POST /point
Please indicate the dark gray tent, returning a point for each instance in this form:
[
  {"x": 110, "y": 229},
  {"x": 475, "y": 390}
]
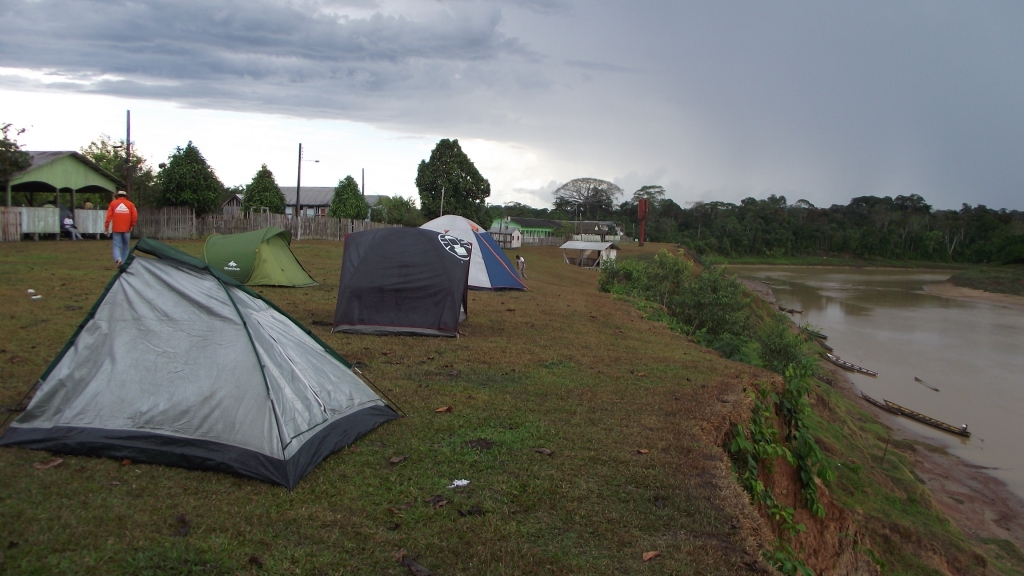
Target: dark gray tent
[
  {"x": 403, "y": 281},
  {"x": 181, "y": 365}
]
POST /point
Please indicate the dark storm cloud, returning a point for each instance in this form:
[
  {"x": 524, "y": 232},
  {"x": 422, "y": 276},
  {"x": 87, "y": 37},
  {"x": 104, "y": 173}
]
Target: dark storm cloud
[{"x": 823, "y": 101}]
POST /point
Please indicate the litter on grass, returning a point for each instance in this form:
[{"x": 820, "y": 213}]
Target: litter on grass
[
  {"x": 36, "y": 297},
  {"x": 459, "y": 484},
  {"x": 31, "y": 291}
]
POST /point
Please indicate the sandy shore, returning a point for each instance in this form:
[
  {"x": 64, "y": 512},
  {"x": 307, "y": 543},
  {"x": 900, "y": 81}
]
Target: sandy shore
[
  {"x": 980, "y": 505},
  {"x": 948, "y": 290}
]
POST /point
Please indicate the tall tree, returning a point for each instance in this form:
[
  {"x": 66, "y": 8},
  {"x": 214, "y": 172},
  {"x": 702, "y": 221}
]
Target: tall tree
[
  {"x": 652, "y": 193},
  {"x": 187, "y": 180},
  {"x": 451, "y": 175},
  {"x": 348, "y": 202},
  {"x": 12, "y": 157},
  {"x": 110, "y": 155},
  {"x": 396, "y": 210},
  {"x": 592, "y": 196},
  {"x": 263, "y": 192}
]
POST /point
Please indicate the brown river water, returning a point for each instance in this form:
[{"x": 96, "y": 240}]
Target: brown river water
[{"x": 972, "y": 352}]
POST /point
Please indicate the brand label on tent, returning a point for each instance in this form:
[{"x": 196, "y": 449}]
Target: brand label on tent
[
  {"x": 454, "y": 245},
  {"x": 232, "y": 266}
]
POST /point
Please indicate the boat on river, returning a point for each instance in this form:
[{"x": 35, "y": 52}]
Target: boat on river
[
  {"x": 896, "y": 408},
  {"x": 815, "y": 334},
  {"x": 823, "y": 345},
  {"x": 925, "y": 384},
  {"x": 878, "y": 403},
  {"x": 850, "y": 365}
]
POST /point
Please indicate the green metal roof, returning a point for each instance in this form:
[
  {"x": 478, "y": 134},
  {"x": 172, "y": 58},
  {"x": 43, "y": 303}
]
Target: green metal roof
[{"x": 66, "y": 170}]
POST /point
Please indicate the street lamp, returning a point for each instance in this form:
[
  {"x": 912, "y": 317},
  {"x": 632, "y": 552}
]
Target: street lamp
[{"x": 298, "y": 183}]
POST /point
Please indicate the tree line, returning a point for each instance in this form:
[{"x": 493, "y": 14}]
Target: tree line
[{"x": 904, "y": 227}]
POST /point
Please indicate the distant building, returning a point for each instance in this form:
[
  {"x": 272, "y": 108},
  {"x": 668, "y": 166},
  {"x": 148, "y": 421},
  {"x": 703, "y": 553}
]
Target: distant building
[
  {"x": 583, "y": 230},
  {"x": 63, "y": 172},
  {"x": 315, "y": 199},
  {"x": 232, "y": 206}
]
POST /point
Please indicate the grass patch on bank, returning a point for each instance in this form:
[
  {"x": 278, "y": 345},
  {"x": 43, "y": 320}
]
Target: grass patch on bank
[
  {"x": 907, "y": 532},
  {"x": 1008, "y": 279},
  {"x": 561, "y": 367},
  {"x": 849, "y": 262}
]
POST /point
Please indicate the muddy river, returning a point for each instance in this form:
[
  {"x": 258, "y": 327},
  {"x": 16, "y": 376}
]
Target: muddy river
[{"x": 972, "y": 352}]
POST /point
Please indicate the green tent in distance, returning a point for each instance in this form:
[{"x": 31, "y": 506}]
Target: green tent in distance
[{"x": 258, "y": 258}]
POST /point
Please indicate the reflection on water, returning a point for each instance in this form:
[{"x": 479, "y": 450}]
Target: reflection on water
[{"x": 971, "y": 351}]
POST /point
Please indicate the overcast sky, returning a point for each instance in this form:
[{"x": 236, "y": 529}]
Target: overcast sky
[{"x": 713, "y": 100}]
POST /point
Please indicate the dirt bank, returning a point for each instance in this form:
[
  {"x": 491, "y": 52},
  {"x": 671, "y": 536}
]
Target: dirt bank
[{"x": 948, "y": 290}]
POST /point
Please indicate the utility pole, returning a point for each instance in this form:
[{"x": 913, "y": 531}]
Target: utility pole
[
  {"x": 298, "y": 186},
  {"x": 363, "y": 188},
  {"x": 128, "y": 157}
]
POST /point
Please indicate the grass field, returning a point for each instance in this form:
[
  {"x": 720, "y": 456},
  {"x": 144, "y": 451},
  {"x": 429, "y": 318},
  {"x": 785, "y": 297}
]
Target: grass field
[
  {"x": 561, "y": 367},
  {"x": 1007, "y": 279}
]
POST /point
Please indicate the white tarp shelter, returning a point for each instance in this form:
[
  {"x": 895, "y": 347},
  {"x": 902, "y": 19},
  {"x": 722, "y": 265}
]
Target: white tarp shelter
[{"x": 588, "y": 254}]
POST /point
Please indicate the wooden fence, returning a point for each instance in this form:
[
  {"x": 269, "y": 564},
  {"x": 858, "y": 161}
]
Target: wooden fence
[
  {"x": 543, "y": 240},
  {"x": 179, "y": 223},
  {"x": 10, "y": 225}
]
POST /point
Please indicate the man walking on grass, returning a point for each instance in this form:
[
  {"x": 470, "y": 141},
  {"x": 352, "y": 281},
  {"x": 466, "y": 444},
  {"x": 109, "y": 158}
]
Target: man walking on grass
[{"x": 121, "y": 218}]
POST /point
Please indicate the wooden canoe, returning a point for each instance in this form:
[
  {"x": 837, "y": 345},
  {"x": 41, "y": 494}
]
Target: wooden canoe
[
  {"x": 816, "y": 334},
  {"x": 823, "y": 345},
  {"x": 878, "y": 403},
  {"x": 923, "y": 383},
  {"x": 850, "y": 365},
  {"x": 826, "y": 380},
  {"x": 896, "y": 408}
]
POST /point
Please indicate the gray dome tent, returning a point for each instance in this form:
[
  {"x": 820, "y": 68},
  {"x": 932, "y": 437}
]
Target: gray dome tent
[{"x": 178, "y": 364}]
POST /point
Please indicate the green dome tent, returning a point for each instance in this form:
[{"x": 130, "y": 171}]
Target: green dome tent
[{"x": 258, "y": 258}]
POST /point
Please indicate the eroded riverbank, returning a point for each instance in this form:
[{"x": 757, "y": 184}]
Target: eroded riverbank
[{"x": 979, "y": 503}]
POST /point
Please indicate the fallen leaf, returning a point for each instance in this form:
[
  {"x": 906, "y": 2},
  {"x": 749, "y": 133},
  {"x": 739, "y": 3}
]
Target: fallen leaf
[
  {"x": 437, "y": 501},
  {"x": 430, "y": 357},
  {"x": 398, "y": 459},
  {"x": 183, "y": 525},
  {"x": 642, "y": 374},
  {"x": 400, "y": 554},
  {"x": 480, "y": 444},
  {"x": 543, "y": 451},
  {"x": 256, "y": 560},
  {"x": 651, "y": 555},
  {"x": 415, "y": 568},
  {"x": 126, "y": 462},
  {"x": 14, "y": 359},
  {"x": 444, "y": 409},
  {"x": 474, "y": 511},
  {"x": 643, "y": 451},
  {"x": 47, "y": 464},
  {"x": 386, "y": 352}
]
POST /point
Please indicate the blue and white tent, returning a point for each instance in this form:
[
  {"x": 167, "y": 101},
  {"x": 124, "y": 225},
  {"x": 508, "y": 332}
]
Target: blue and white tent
[{"x": 489, "y": 267}]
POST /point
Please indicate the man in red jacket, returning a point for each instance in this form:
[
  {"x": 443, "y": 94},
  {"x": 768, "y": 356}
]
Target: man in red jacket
[{"x": 121, "y": 218}]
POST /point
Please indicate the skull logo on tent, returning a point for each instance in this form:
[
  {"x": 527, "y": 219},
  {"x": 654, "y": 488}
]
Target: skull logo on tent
[{"x": 454, "y": 245}]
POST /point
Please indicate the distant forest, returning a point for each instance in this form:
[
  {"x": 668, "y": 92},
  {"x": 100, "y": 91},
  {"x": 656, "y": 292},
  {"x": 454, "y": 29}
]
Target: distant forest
[{"x": 905, "y": 227}]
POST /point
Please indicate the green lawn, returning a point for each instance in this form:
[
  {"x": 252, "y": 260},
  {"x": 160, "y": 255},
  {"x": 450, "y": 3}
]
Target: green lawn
[{"x": 561, "y": 367}]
